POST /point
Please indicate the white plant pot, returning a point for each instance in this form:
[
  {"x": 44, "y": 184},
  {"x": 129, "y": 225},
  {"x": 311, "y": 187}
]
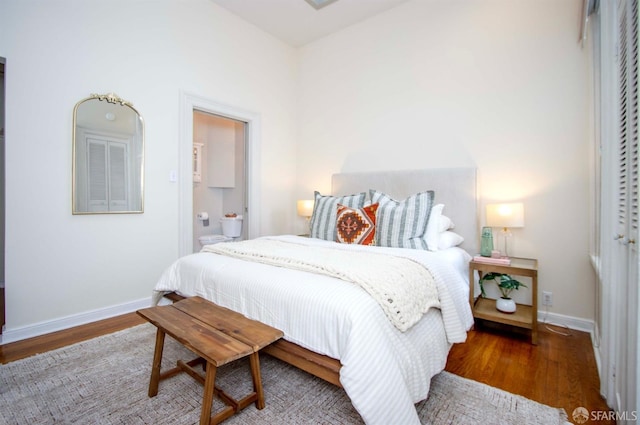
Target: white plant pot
[{"x": 506, "y": 305}]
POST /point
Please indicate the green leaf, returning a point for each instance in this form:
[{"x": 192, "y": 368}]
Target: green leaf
[{"x": 506, "y": 283}]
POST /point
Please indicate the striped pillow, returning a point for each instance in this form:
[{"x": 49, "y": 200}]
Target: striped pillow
[
  {"x": 402, "y": 224},
  {"x": 323, "y": 220}
]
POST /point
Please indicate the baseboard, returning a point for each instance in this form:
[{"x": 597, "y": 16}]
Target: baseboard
[
  {"x": 577, "y": 323},
  {"x": 37, "y": 329}
]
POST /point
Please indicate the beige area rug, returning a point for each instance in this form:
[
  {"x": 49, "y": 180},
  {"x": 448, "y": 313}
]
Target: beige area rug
[{"x": 105, "y": 381}]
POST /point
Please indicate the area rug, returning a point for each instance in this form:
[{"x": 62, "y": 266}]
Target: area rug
[{"x": 105, "y": 381}]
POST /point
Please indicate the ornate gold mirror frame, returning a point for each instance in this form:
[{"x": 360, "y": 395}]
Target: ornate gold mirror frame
[{"x": 108, "y": 156}]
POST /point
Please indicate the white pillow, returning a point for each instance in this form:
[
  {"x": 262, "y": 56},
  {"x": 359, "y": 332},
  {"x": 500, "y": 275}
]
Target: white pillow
[
  {"x": 449, "y": 239},
  {"x": 437, "y": 224},
  {"x": 445, "y": 224},
  {"x": 433, "y": 227}
]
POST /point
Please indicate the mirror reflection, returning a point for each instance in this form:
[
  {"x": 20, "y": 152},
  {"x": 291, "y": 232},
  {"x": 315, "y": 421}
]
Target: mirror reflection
[{"x": 108, "y": 156}]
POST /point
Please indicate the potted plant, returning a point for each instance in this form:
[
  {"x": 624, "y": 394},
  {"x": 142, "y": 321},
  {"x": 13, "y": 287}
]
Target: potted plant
[{"x": 506, "y": 284}]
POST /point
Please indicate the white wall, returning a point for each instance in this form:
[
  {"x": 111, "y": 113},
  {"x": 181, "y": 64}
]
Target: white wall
[
  {"x": 59, "y": 52},
  {"x": 496, "y": 84}
]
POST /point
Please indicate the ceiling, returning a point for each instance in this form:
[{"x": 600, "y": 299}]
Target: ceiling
[{"x": 297, "y": 23}]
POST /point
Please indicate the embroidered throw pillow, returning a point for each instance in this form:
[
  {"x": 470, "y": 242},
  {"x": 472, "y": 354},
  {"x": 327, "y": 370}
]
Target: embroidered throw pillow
[
  {"x": 323, "y": 220},
  {"x": 402, "y": 224},
  {"x": 356, "y": 225}
]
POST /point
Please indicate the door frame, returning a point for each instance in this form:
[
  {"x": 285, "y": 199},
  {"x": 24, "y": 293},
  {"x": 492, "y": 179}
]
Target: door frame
[{"x": 188, "y": 103}]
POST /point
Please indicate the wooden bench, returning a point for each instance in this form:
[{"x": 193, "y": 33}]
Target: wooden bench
[
  {"x": 218, "y": 336},
  {"x": 324, "y": 367}
]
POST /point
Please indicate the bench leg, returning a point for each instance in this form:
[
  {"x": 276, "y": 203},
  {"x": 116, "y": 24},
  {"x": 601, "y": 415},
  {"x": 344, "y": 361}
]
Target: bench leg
[
  {"x": 207, "y": 399},
  {"x": 254, "y": 359},
  {"x": 157, "y": 361}
]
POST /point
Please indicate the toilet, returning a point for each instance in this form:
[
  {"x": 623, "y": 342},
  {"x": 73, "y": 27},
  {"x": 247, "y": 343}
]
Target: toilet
[
  {"x": 231, "y": 229},
  {"x": 232, "y": 226}
]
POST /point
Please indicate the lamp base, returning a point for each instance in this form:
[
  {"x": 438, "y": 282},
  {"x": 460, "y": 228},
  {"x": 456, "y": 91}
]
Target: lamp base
[{"x": 505, "y": 234}]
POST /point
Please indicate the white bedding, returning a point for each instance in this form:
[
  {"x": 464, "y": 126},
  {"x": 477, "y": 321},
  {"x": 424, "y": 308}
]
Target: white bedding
[
  {"x": 403, "y": 288},
  {"x": 384, "y": 371}
]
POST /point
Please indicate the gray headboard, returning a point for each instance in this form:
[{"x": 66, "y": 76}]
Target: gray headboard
[{"x": 453, "y": 187}]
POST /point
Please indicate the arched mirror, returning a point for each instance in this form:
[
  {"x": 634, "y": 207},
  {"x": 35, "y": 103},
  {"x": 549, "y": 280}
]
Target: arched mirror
[{"x": 108, "y": 156}]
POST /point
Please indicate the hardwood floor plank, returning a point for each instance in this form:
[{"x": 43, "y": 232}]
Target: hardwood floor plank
[{"x": 540, "y": 368}]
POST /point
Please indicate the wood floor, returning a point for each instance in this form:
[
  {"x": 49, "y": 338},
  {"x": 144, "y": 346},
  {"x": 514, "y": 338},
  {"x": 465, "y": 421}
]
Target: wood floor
[
  {"x": 560, "y": 371},
  {"x": 28, "y": 347}
]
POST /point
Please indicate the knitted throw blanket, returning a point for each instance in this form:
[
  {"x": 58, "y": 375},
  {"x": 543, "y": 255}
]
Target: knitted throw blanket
[{"x": 404, "y": 288}]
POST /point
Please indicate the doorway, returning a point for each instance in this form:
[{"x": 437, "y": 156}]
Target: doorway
[
  {"x": 219, "y": 178},
  {"x": 191, "y": 104},
  {"x": 2, "y": 191}
]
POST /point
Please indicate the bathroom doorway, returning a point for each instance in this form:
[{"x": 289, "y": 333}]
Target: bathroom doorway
[
  {"x": 219, "y": 178},
  {"x": 190, "y": 104}
]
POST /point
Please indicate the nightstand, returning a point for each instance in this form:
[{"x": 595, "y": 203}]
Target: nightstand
[{"x": 525, "y": 316}]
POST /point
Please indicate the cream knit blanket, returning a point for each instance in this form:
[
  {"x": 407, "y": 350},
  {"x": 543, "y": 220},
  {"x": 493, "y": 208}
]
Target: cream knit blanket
[{"x": 404, "y": 288}]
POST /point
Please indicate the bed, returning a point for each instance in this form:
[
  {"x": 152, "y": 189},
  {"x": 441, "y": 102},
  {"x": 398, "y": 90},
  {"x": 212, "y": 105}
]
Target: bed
[{"x": 337, "y": 330}]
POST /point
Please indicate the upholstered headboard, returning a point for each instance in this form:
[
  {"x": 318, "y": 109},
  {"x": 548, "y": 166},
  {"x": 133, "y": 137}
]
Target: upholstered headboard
[{"x": 453, "y": 187}]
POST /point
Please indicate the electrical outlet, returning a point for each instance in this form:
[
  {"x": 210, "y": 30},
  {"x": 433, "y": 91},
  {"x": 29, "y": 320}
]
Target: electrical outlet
[{"x": 547, "y": 298}]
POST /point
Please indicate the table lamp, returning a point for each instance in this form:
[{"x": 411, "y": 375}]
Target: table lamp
[
  {"x": 305, "y": 209},
  {"x": 505, "y": 216}
]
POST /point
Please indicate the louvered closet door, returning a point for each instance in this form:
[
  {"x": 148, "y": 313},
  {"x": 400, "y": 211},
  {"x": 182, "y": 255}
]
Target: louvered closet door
[
  {"x": 626, "y": 379},
  {"x": 97, "y": 174},
  {"x": 107, "y": 174},
  {"x": 118, "y": 177}
]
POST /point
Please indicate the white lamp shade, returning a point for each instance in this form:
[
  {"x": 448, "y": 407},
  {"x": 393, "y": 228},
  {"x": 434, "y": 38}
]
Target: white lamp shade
[
  {"x": 505, "y": 215},
  {"x": 305, "y": 207}
]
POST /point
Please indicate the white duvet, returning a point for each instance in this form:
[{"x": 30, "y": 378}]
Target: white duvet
[{"x": 384, "y": 371}]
